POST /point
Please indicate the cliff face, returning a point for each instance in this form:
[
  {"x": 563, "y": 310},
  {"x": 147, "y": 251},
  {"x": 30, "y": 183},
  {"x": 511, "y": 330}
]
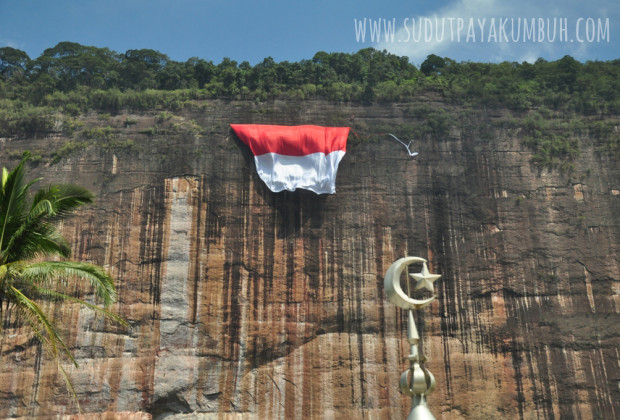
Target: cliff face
[{"x": 248, "y": 304}]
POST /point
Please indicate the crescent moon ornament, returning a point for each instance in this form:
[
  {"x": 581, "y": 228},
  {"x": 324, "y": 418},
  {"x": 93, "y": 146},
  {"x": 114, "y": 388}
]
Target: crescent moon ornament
[
  {"x": 417, "y": 381},
  {"x": 395, "y": 293}
]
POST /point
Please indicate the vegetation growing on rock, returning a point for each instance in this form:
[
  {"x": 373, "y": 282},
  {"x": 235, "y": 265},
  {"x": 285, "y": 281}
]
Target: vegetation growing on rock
[{"x": 71, "y": 79}]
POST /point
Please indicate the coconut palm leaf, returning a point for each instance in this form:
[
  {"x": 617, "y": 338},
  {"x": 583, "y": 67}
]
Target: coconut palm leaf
[
  {"x": 43, "y": 277},
  {"x": 39, "y": 322},
  {"x": 27, "y": 232},
  {"x": 64, "y": 297},
  {"x": 33, "y": 240},
  {"x": 51, "y": 340},
  {"x": 31, "y": 233},
  {"x": 48, "y": 272},
  {"x": 60, "y": 200},
  {"x": 13, "y": 199}
]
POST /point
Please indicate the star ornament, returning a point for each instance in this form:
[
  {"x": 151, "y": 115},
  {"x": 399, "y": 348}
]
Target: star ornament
[{"x": 425, "y": 279}]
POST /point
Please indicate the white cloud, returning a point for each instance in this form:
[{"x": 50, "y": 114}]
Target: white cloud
[{"x": 485, "y": 17}]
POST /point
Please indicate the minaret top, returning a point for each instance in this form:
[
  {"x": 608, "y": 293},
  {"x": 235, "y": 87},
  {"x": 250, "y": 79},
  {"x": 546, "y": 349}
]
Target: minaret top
[{"x": 417, "y": 381}]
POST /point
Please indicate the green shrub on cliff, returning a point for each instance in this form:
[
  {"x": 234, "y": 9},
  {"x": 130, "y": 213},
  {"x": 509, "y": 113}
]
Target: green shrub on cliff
[
  {"x": 24, "y": 120},
  {"x": 70, "y": 79}
]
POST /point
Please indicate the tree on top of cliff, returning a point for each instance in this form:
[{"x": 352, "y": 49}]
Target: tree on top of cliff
[
  {"x": 78, "y": 77},
  {"x": 27, "y": 235}
]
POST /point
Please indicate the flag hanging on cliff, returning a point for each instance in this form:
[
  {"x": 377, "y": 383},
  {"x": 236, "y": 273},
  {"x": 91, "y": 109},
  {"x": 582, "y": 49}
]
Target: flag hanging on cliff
[{"x": 291, "y": 157}]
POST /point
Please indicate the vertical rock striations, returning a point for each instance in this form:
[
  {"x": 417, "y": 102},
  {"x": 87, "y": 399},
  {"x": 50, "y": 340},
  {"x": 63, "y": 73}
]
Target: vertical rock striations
[{"x": 249, "y": 304}]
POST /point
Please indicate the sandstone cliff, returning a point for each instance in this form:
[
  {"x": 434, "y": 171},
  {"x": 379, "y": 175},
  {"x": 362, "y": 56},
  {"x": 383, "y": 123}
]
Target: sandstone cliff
[{"x": 248, "y": 304}]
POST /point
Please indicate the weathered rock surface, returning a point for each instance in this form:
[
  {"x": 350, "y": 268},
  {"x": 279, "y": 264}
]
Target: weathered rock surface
[{"x": 248, "y": 304}]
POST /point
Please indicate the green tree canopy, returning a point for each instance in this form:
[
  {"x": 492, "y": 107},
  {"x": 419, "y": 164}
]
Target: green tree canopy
[
  {"x": 101, "y": 78},
  {"x": 13, "y": 62}
]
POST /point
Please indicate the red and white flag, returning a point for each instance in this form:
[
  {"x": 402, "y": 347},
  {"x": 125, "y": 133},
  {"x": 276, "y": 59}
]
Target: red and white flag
[{"x": 291, "y": 157}]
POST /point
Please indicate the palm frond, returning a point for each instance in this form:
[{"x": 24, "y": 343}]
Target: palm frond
[
  {"x": 60, "y": 200},
  {"x": 33, "y": 239},
  {"x": 5, "y": 176},
  {"x": 63, "y": 296},
  {"x": 69, "y": 385},
  {"x": 23, "y": 228},
  {"x": 27, "y": 231},
  {"x": 39, "y": 321},
  {"x": 41, "y": 206},
  {"x": 52, "y": 271},
  {"x": 50, "y": 340},
  {"x": 30, "y": 234},
  {"x": 13, "y": 198}
]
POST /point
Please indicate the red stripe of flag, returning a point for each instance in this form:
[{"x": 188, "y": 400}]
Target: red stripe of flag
[{"x": 298, "y": 140}]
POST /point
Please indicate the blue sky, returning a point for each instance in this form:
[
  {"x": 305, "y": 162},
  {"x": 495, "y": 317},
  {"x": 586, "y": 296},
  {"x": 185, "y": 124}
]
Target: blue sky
[{"x": 464, "y": 30}]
